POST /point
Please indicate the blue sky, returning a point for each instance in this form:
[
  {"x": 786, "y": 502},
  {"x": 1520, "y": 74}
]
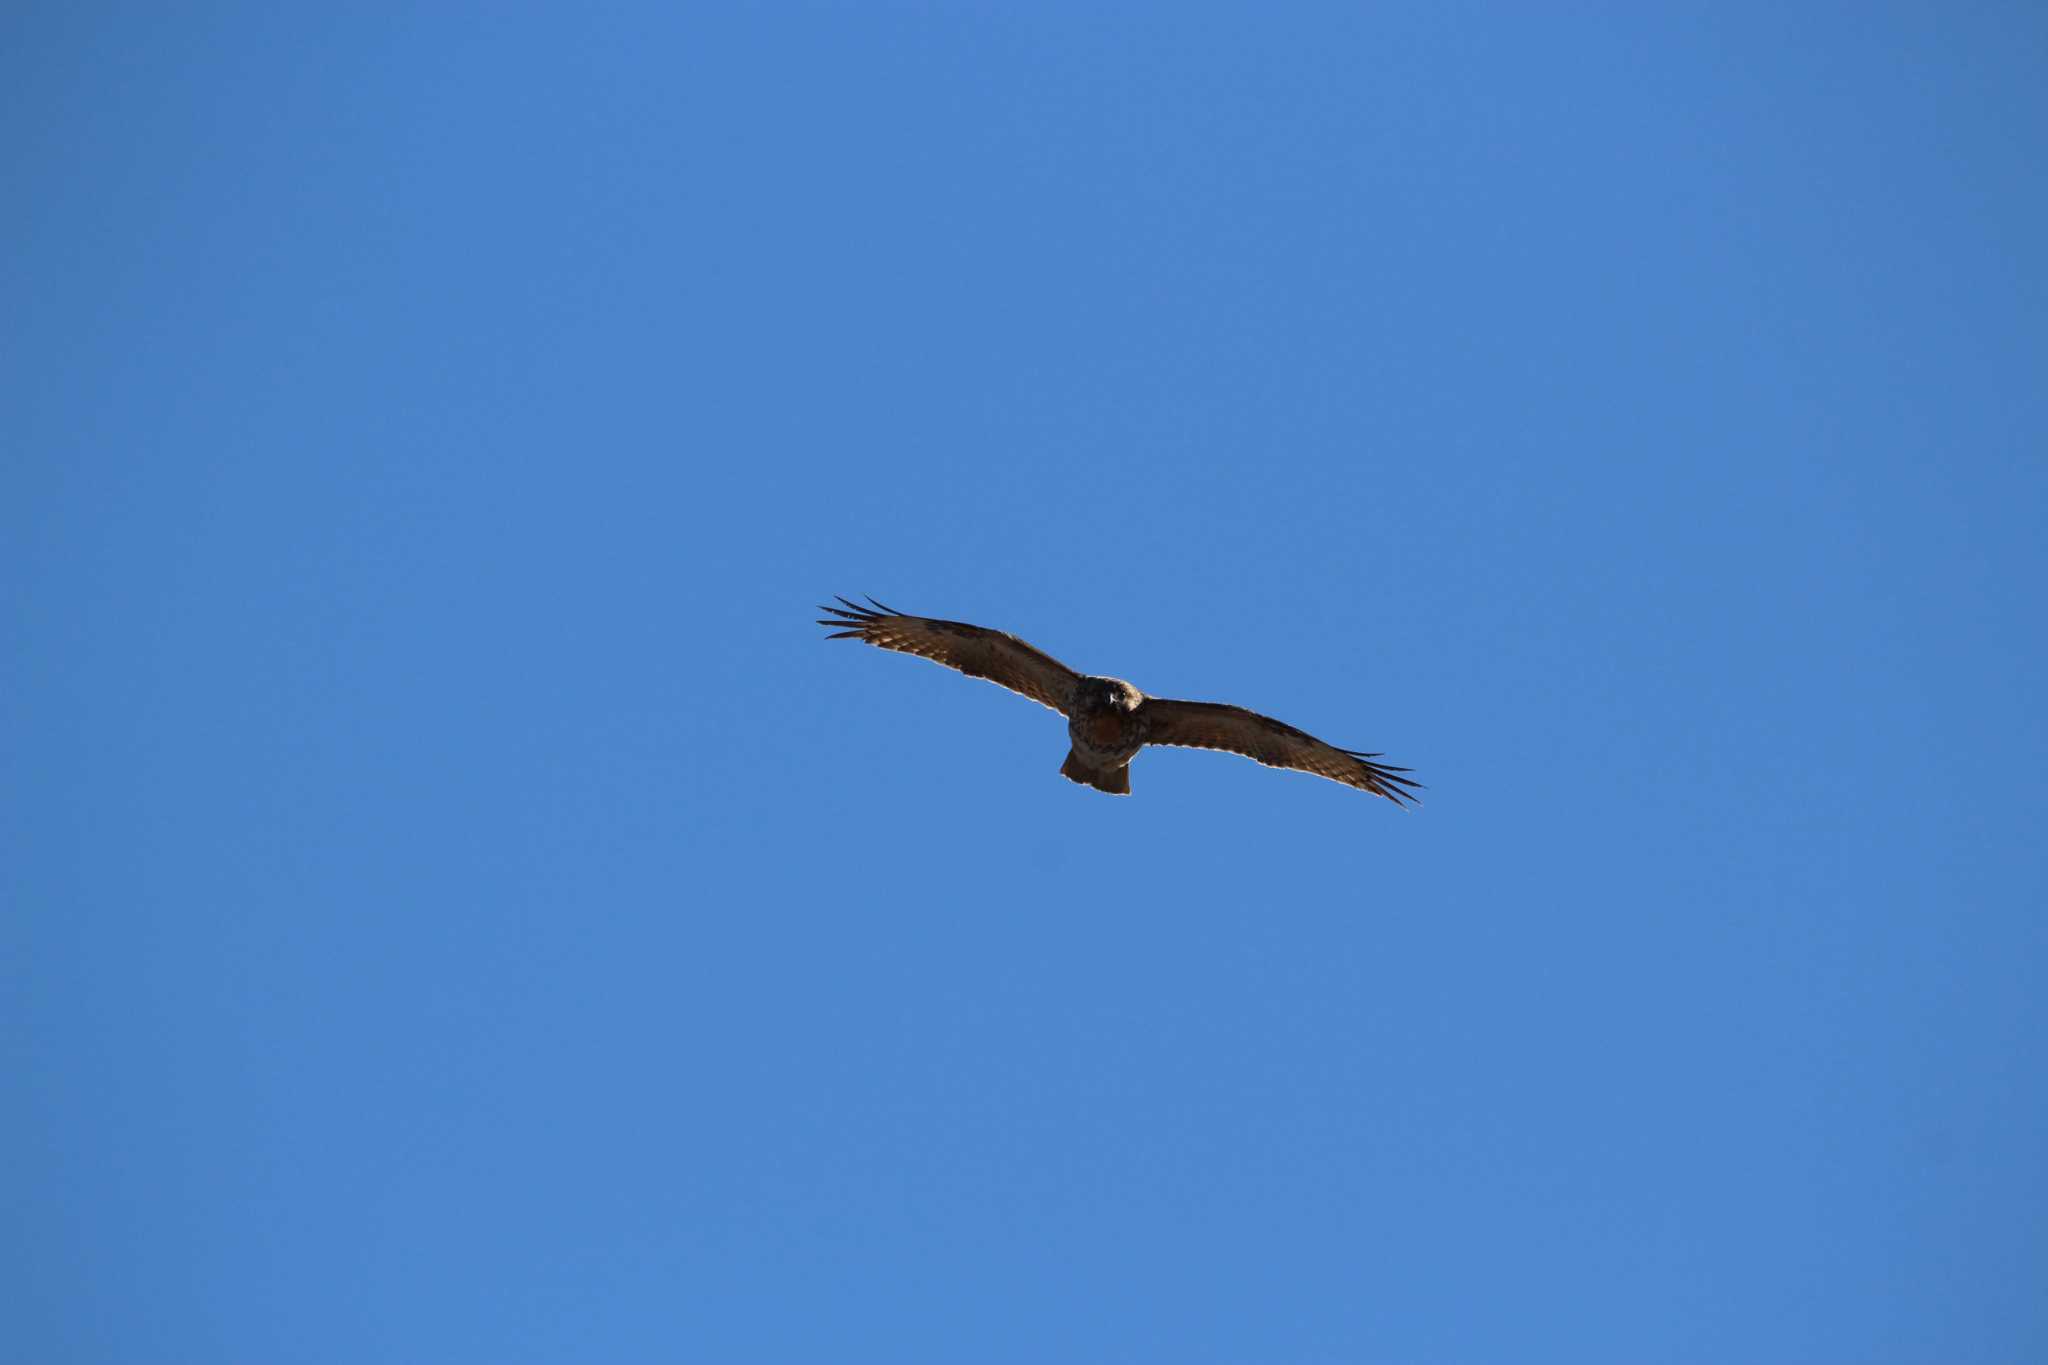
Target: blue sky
[{"x": 460, "y": 910}]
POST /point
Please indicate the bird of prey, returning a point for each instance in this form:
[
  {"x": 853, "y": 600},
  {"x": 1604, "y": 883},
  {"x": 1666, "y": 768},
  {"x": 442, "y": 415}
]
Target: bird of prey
[{"x": 1108, "y": 719}]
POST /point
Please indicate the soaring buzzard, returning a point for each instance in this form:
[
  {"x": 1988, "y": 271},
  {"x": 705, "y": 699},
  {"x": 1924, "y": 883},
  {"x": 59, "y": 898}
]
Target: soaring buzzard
[{"x": 1108, "y": 719}]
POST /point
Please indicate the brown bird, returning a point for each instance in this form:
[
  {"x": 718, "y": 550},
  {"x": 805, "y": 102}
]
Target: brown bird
[{"x": 1108, "y": 719}]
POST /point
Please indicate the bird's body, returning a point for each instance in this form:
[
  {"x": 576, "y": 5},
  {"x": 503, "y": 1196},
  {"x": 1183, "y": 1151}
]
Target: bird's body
[
  {"x": 1109, "y": 720},
  {"x": 1105, "y": 720}
]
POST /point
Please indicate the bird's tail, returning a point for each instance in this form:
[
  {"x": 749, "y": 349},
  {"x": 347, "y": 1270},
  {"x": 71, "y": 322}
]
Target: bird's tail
[{"x": 1115, "y": 781}]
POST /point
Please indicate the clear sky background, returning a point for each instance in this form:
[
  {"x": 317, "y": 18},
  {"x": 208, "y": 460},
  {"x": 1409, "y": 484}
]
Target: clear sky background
[{"x": 458, "y": 909}]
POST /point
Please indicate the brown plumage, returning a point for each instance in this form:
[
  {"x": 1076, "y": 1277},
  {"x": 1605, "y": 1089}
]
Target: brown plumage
[{"x": 1108, "y": 720}]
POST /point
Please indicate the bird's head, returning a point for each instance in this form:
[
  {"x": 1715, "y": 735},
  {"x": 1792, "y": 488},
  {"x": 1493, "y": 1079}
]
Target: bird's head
[{"x": 1110, "y": 694}]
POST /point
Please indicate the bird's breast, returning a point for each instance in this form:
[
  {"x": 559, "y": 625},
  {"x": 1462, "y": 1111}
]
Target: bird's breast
[{"x": 1106, "y": 729}]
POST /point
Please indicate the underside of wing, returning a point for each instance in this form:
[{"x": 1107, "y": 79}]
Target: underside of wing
[
  {"x": 974, "y": 650},
  {"x": 1213, "y": 725}
]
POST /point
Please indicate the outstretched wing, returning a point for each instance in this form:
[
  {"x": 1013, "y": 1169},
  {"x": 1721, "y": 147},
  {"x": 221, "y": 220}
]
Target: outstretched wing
[
  {"x": 1211, "y": 725},
  {"x": 974, "y": 650}
]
